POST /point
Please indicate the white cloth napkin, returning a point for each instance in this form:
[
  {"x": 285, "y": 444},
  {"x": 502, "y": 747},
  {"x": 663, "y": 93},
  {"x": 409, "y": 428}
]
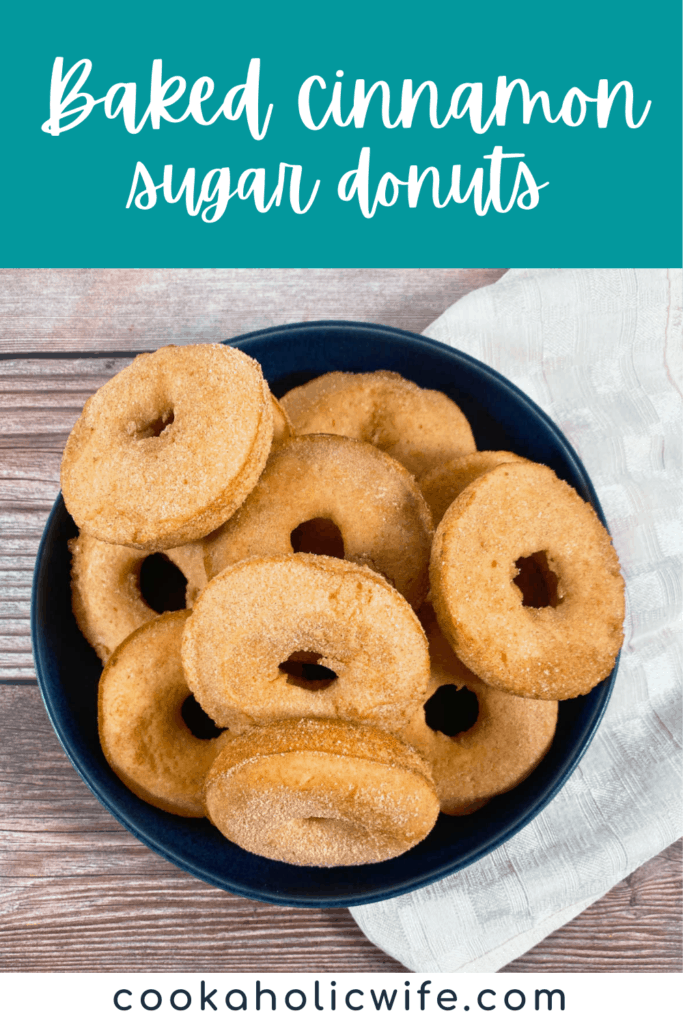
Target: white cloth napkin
[{"x": 600, "y": 352}]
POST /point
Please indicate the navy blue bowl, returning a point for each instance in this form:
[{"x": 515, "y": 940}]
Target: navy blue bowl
[{"x": 68, "y": 669}]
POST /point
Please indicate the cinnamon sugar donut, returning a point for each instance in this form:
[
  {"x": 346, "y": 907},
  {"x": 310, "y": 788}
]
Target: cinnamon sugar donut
[
  {"x": 256, "y": 617},
  {"x": 143, "y": 735},
  {"x": 444, "y": 483},
  {"x": 321, "y": 793},
  {"x": 105, "y": 588},
  {"x": 417, "y": 427},
  {"x": 167, "y": 449},
  {"x": 517, "y": 512},
  {"x": 373, "y": 500},
  {"x": 507, "y": 741}
]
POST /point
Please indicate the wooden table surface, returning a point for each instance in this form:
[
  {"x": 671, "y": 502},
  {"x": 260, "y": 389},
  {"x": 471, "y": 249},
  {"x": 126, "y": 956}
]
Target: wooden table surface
[{"x": 77, "y": 891}]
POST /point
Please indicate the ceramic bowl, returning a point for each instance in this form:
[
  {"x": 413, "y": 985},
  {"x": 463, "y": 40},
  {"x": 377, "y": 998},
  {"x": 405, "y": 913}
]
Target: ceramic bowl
[{"x": 502, "y": 417}]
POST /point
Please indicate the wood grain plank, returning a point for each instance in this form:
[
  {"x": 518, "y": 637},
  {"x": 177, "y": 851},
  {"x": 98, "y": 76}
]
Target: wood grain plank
[
  {"x": 90, "y": 310},
  {"x": 72, "y": 881},
  {"x": 41, "y": 399},
  {"x": 171, "y": 924},
  {"x": 29, "y": 483}
]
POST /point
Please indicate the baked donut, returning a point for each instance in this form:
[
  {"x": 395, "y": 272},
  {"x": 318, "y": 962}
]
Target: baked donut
[
  {"x": 321, "y": 793},
  {"x": 282, "y": 428},
  {"x": 516, "y": 513},
  {"x": 143, "y": 735},
  {"x": 507, "y": 740},
  {"x": 417, "y": 427},
  {"x": 374, "y": 502},
  {"x": 106, "y": 596},
  {"x": 256, "y": 618},
  {"x": 444, "y": 483},
  {"x": 167, "y": 449}
]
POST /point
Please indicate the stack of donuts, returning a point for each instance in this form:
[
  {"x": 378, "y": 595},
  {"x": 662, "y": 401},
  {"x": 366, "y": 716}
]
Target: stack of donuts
[{"x": 331, "y": 671}]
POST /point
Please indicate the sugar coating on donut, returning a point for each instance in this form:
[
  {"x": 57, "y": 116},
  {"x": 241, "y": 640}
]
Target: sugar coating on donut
[
  {"x": 517, "y": 511},
  {"x": 373, "y": 500},
  {"x": 255, "y": 615},
  {"x": 508, "y": 740},
  {"x": 417, "y": 427},
  {"x": 190, "y": 560},
  {"x": 321, "y": 793},
  {"x": 282, "y": 428},
  {"x": 167, "y": 449},
  {"x": 444, "y": 483},
  {"x": 143, "y": 735},
  {"x": 105, "y": 588}
]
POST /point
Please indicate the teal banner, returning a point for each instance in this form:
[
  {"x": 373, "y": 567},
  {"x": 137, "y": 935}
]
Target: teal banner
[{"x": 361, "y": 134}]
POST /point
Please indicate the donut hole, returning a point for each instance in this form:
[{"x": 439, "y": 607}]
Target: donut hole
[
  {"x": 155, "y": 427},
  {"x": 451, "y": 710},
  {"x": 162, "y": 584},
  {"x": 536, "y": 581},
  {"x": 197, "y": 721},
  {"x": 318, "y": 537},
  {"x": 304, "y": 670}
]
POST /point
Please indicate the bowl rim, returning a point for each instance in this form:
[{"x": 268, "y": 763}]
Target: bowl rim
[{"x": 431, "y": 875}]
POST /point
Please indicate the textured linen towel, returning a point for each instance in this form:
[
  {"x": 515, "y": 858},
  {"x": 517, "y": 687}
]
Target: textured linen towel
[{"x": 600, "y": 352}]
